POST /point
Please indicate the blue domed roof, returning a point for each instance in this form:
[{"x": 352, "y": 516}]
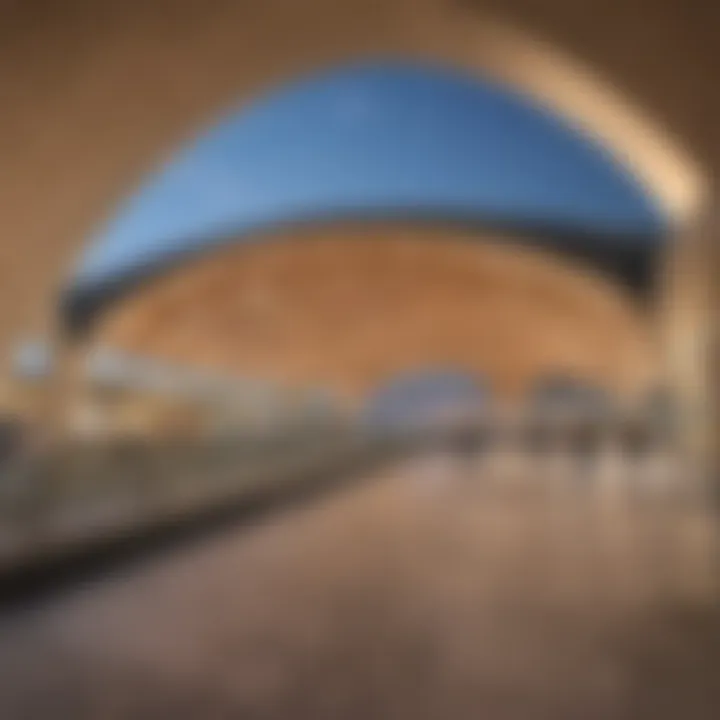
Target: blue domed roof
[{"x": 376, "y": 140}]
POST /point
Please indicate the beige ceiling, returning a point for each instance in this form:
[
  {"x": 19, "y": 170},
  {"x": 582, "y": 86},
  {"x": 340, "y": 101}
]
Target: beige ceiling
[{"x": 352, "y": 306}]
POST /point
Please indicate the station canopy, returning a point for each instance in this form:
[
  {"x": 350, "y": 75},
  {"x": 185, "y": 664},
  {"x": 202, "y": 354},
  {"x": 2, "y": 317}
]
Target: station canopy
[{"x": 377, "y": 140}]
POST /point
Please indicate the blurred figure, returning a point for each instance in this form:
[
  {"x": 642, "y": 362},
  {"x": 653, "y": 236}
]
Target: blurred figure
[{"x": 565, "y": 428}]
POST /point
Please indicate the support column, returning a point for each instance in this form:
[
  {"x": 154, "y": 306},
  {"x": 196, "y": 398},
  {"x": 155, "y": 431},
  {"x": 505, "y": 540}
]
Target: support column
[
  {"x": 714, "y": 355},
  {"x": 688, "y": 315}
]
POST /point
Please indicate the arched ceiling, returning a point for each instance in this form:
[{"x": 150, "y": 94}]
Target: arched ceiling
[
  {"x": 99, "y": 91},
  {"x": 379, "y": 139},
  {"x": 349, "y": 307}
]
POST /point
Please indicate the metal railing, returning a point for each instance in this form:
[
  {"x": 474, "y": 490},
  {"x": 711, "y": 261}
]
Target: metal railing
[{"x": 80, "y": 493}]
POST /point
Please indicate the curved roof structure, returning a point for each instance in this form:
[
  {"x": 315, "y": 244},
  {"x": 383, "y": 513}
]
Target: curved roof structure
[{"x": 376, "y": 140}]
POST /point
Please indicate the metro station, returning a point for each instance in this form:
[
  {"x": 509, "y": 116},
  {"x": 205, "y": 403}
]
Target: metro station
[{"x": 251, "y": 250}]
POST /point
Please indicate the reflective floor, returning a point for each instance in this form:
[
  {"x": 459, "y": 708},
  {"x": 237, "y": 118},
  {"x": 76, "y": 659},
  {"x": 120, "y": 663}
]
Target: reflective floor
[{"x": 432, "y": 590}]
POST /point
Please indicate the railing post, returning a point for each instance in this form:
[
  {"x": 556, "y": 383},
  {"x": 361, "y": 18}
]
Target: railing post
[{"x": 66, "y": 385}]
